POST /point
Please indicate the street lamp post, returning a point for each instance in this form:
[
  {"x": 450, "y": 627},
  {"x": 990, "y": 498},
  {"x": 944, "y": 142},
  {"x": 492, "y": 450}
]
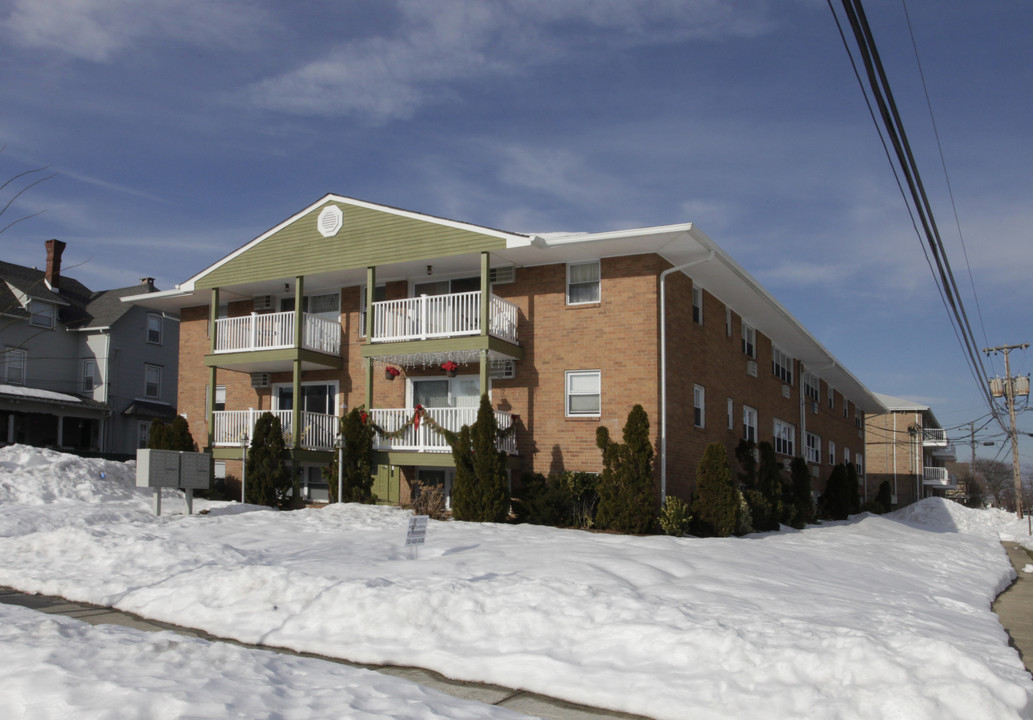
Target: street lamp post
[
  {"x": 243, "y": 467},
  {"x": 339, "y": 444}
]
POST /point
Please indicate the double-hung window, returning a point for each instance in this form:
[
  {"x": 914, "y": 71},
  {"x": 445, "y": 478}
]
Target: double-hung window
[
  {"x": 41, "y": 314},
  {"x": 846, "y": 456},
  {"x": 152, "y": 381},
  {"x": 731, "y": 414},
  {"x": 812, "y": 386},
  {"x": 583, "y": 280},
  {"x": 154, "y": 328},
  {"x": 699, "y": 411},
  {"x": 749, "y": 424},
  {"x": 14, "y": 366},
  {"x": 782, "y": 366},
  {"x": 584, "y": 392},
  {"x": 749, "y": 341},
  {"x": 859, "y": 465},
  {"x": 813, "y": 448},
  {"x": 785, "y": 438},
  {"x": 89, "y": 375},
  {"x": 697, "y": 305},
  {"x": 832, "y": 453}
]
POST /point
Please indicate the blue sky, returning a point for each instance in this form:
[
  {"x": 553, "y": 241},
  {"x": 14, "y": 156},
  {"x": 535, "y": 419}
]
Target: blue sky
[{"x": 181, "y": 129}]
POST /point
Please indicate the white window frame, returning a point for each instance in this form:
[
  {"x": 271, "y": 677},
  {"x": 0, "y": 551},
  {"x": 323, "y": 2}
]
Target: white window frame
[
  {"x": 699, "y": 406},
  {"x": 812, "y": 386},
  {"x": 569, "y": 377},
  {"x": 89, "y": 375},
  {"x": 749, "y": 423},
  {"x": 598, "y": 282},
  {"x": 859, "y": 465},
  {"x": 832, "y": 452},
  {"x": 159, "y": 331},
  {"x": 782, "y": 365},
  {"x": 697, "y": 304},
  {"x": 813, "y": 448},
  {"x": 14, "y": 362},
  {"x": 784, "y": 437},
  {"x": 147, "y": 370},
  {"x": 731, "y": 414},
  {"x": 143, "y": 433},
  {"x": 749, "y": 341},
  {"x": 846, "y": 456},
  {"x": 42, "y": 314}
]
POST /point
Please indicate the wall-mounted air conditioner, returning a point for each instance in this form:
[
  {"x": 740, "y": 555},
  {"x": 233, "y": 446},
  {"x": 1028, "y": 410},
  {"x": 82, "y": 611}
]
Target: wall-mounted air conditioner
[
  {"x": 263, "y": 303},
  {"x": 260, "y": 380}
]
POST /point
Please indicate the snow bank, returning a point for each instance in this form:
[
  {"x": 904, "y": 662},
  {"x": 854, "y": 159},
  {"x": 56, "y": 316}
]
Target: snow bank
[{"x": 879, "y": 617}]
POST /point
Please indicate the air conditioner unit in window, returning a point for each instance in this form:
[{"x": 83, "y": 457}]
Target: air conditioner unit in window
[
  {"x": 751, "y": 368},
  {"x": 263, "y": 303},
  {"x": 814, "y": 408},
  {"x": 260, "y": 380}
]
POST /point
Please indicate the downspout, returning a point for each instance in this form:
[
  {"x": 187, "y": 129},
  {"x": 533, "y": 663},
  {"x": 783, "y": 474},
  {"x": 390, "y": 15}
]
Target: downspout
[{"x": 663, "y": 366}]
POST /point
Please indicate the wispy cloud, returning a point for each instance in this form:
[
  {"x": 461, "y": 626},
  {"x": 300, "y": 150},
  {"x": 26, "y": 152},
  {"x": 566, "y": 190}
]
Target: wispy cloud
[
  {"x": 98, "y": 30},
  {"x": 439, "y": 44}
]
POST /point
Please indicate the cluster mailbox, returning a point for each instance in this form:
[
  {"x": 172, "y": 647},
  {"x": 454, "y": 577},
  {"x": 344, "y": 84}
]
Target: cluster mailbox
[{"x": 159, "y": 469}]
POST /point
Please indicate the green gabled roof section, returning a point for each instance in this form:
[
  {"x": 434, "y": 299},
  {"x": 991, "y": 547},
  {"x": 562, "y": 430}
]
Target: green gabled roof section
[{"x": 369, "y": 235}]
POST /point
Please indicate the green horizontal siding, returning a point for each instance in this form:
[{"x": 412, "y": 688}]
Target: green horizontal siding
[{"x": 367, "y": 237}]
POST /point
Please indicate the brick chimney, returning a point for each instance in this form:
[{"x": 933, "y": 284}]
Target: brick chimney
[
  {"x": 148, "y": 283},
  {"x": 54, "y": 250}
]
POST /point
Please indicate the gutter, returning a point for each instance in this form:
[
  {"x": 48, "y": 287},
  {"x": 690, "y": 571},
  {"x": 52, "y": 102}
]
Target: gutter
[{"x": 663, "y": 367}]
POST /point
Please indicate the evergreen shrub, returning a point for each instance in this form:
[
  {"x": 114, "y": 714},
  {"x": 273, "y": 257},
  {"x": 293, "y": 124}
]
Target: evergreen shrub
[
  {"x": 715, "y": 506},
  {"x": 627, "y": 499}
]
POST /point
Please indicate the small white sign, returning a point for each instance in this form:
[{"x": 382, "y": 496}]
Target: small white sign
[{"x": 417, "y": 534}]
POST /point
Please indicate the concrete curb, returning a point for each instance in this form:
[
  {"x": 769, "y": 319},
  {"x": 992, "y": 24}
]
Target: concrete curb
[{"x": 516, "y": 700}]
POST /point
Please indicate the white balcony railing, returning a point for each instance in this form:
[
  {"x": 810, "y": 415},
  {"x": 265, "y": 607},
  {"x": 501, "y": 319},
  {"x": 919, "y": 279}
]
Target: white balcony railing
[
  {"x": 442, "y": 316},
  {"x": 318, "y": 430},
  {"x": 938, "y": 476},
  {"x": 934, "y": 437},
  {"x": 426, "y": 438},
  {"x": 275, "y": 331}
]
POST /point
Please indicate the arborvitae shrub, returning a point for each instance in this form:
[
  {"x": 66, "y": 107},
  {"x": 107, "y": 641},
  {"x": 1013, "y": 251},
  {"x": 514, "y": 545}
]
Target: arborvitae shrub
[
  {"x": 480, "y": 492},
  {"x": 268, "y": 480},
  {"x": 544, "y": 500},
  {"x": 675, "y": 518},
  {"x": 357, "y": 479},
  {"x": 584, "y": 497},
  {"x": 803, "y": 502},
  {"x": 746, "y": 456},
  {"x": 885, "y": 496},
  {"x": 627, "y": 501},
  {"x": 769, "y": 482},
  {"x": 156, "y": 435},
  {"x": 715, "y": 506},
  {"x": 178, "y": 435},
  {"x": 840, "y": 498}
]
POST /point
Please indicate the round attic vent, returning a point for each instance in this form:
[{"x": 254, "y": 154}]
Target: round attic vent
[{"x": 330, "y": 221}]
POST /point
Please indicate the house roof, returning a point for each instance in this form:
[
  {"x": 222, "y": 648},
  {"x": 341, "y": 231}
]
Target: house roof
[
  {"x": 896, "y": 404},
  {"x": 78, "y": 306},
  {"x": 712, "y": 268}
]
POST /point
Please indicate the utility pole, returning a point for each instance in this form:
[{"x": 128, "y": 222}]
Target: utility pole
[
  {"x": 972, "y": 467},
  {"x": 1008, "y": 389}
]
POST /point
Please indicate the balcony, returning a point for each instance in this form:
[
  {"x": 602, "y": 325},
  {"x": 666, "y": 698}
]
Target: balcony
[
  {"x": 318, "y": 431},
  {"x": 934, "y": 437},
  {"x": 939, "y": 477},
  {"x": 275, "y": 331},
  {"x": 431, "y": 317},
  {"x": 427, "y": 439}
]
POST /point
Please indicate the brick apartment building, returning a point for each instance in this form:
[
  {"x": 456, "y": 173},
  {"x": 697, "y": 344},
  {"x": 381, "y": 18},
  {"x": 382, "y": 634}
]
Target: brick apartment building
[
  {"x": 907, "y": 447},
  {"x": 574, "y": 331}
]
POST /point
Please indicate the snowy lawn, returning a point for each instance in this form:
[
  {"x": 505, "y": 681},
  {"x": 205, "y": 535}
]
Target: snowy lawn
[{"x": 879, "y": 617}]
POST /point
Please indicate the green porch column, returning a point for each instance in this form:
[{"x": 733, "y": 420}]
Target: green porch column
[
  {"x": 484, "y": 371},
  {"x": 299, "y": 325},
  {"x": 485, "y": 292},
  {"x": 371, "y": 289},
  {"x": 209, "y": 411}
]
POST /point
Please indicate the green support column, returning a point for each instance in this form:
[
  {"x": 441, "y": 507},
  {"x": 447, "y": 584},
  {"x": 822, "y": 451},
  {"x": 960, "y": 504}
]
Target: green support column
[
  {"x": 367, "y": 381},
  {"x": 209, "y": 412},
  {"x": 484, "y": 371},
  {"x": 485, "y": 292},
  {"x": 371, "y": 289}
]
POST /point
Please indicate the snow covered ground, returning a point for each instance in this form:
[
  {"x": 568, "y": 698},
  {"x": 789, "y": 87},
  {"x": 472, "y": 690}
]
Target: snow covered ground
[{"x": 878, "y": 617}]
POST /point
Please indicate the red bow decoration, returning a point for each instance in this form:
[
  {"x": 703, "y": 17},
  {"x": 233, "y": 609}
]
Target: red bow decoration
[{"x": 416, "y": 416}]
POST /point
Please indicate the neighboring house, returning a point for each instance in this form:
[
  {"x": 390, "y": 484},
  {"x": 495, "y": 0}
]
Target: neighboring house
[
  {"x": 907, "y": 447},
  {"x": 307, "y": 320},
  {"x": 81, "y": 370}
]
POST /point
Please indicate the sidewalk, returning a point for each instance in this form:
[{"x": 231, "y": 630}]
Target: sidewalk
[
  {"x": 1015, "y": 605},
  {"x": 516, "y": 700}
]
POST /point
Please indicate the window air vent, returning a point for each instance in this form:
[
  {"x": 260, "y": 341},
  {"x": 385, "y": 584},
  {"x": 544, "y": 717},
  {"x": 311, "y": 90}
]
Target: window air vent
[
  {"x": 260, "y": 380},
  {"x": 263, "y": 303},
  {"x": 330, "y": 221},
  {"x": 751, "y": 368},
  {"x": 502, "y": 275},
  {"x": 502, "y": 369},
  {"x": 785, "y": 391}
]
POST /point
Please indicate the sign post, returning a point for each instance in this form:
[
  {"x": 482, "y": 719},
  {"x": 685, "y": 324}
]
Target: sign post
[{"x": 416, "y": 535}]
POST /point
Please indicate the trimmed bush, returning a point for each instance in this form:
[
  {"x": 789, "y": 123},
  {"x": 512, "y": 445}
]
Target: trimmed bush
[
  {"x": 840, "y": 498},
  {"x": 715, "y": 506},
  {"x": 627, "y": 499},
  {"x": 268, "y": 480},
  {"x": 801, "y": 499},
  {"x": 357, "y": 478},
  {"x": 675, "y": 518},
  {"x": 885, "y": 496},
  {"x": 480, "y": 492}
]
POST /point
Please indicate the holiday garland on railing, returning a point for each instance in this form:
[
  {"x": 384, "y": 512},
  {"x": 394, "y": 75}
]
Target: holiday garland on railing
[{"x": 419, "y": 415}]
